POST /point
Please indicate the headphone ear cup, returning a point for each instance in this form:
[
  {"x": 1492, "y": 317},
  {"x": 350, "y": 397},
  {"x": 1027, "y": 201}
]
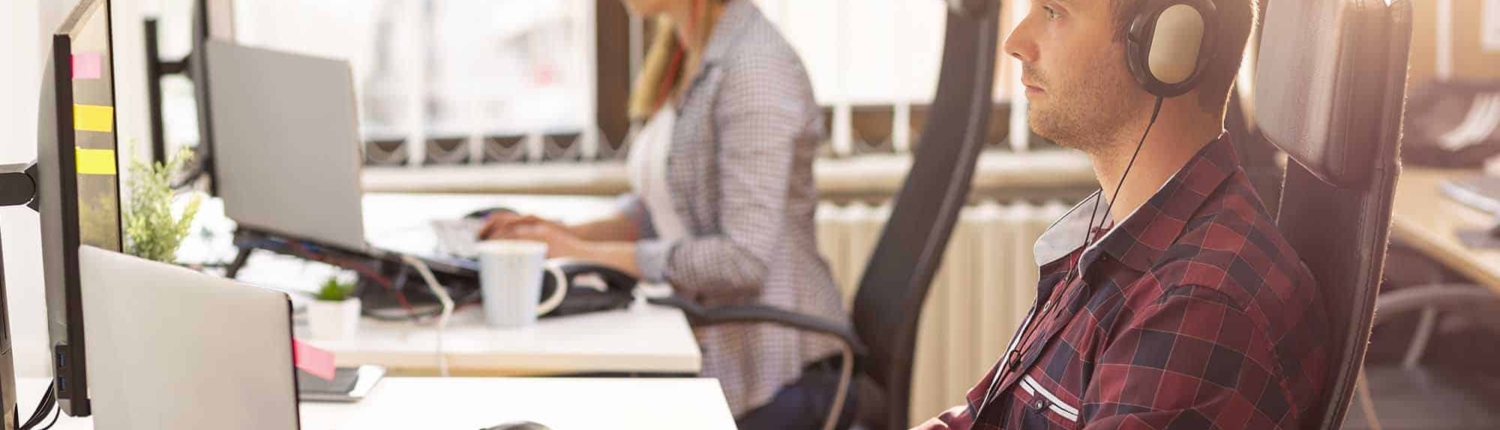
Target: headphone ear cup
[
  {"x": 1176, "y": 41},
  {"x": 1165, "y": 45}
]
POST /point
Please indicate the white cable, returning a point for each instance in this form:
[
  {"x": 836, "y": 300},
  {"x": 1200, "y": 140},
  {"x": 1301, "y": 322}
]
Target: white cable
[
  {"x": 1366, "y": 403},
  {"x": 447, "y": 302},
  {"x": 846, "y": 377}
]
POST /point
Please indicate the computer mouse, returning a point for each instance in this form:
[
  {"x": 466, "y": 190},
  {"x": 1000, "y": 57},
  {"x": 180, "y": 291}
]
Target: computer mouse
[
  {"x": 485, "y": 213},
  {"x": 519, "y": 425}
]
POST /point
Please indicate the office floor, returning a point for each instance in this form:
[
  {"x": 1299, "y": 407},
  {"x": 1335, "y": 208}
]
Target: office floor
[
  {"x": 1456, "y": 386},
  {"x": 1429, "y": 399}
]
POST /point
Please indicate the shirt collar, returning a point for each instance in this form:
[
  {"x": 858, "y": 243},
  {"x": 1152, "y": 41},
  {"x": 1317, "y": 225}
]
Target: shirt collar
[{"x": 1147, "y": 232}]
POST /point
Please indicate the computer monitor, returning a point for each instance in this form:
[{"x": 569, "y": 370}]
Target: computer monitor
[
  {"x": 78, "y": 188},
  {"x": 212, "y": 19}
]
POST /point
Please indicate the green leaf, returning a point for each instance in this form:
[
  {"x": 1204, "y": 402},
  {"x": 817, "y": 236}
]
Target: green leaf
[
  {"x": 151, "y": 230},
  {"x": 334, "y": 291}
]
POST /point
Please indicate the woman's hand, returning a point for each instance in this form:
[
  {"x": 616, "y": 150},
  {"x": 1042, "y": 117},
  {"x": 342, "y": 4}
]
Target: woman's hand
[
  {"x": 500, "y": 225},
  {"x": 561, "y": 242}
]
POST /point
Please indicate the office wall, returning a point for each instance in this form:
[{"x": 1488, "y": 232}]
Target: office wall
[
  {"x": 25, "y": 30},
  {"x": 1470, "y": 59}
]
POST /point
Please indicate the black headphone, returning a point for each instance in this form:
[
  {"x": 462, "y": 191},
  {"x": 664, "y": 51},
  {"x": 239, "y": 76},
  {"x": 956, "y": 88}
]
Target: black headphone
[{"x": 1169, "y": 44}]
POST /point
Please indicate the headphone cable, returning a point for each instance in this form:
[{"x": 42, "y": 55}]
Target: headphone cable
[
  {"x": 1155, "y": 111},
  {"x": 1074, "y": 271}
]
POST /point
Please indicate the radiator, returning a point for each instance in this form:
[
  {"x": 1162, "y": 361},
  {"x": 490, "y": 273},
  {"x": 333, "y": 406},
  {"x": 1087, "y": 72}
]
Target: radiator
[{"x": 978, "y": 297}]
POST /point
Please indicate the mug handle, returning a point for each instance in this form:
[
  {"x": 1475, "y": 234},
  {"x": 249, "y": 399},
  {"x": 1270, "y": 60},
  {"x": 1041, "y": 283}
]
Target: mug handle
[{"x": 558, "y": 293}]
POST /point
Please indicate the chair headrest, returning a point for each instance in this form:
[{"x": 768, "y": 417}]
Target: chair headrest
[
  {"x": 1313, "y": 96},
  {"x": 974, "y": 9}
]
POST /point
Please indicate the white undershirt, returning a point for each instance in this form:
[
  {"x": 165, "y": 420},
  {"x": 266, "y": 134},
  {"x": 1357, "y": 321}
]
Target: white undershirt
[{"x": 647, "y": 166}]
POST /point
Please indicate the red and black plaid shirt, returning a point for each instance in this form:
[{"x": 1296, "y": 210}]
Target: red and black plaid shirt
[{"x": 1193, "y": 313}]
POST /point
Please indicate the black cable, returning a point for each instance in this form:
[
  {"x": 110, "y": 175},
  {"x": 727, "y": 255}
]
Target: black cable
[
  {"x": 1075, "y": 271},
  {"x": 56, "y": 413},
  {"x": 39, "y": 412},
  {"x": 1142, "y": 143},
  {"x": 38, "y": 415},
  {"x": 48, "y": 400},
  {"x": 1118, "y": 186}
]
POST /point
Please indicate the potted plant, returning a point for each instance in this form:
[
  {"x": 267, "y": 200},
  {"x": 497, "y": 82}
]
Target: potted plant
[
  {"x": 334, "y": 314},
  {"x": 152, "y": 231}
]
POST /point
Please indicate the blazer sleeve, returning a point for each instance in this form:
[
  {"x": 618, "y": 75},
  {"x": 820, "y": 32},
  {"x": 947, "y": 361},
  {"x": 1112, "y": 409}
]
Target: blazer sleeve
[{"x": 760, "y": 111}]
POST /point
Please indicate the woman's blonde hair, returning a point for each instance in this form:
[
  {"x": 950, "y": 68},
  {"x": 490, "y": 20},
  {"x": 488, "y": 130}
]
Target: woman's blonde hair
[{"x": 666, "y": 62}]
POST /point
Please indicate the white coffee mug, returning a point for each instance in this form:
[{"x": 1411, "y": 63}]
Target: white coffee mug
[{"x": 510, "y": 280}]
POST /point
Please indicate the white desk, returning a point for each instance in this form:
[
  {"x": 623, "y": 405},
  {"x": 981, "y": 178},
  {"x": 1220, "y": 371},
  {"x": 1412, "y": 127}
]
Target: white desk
[
  {"x": 1428, "y": 221},
  {"x": 643, "y": 339},
  {"x": 472, "y": 403}
]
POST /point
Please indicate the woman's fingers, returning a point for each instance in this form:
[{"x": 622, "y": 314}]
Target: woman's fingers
[
  {"x": 555, "y": 239},
  {"x": 512, "y": 229},
  {"x": 495, "y": 223},
  {"x": 503, "y": 225}
]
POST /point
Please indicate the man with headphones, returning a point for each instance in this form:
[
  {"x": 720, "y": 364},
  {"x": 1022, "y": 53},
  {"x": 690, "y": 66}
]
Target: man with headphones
[{"x": 1168, "y": 299}]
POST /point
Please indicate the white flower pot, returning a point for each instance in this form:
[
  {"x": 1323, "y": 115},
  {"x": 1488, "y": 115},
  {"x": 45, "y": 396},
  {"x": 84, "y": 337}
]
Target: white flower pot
[{"x": 333, "y": 320}]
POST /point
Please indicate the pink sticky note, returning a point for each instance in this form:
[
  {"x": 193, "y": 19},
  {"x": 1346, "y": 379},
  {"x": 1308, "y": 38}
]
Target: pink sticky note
[
  {"x": 312, "y": 360},
  {"x": 87, "y": 66}
]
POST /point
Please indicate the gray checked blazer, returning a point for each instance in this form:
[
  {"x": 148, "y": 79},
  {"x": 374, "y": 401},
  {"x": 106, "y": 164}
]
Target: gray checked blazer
[{"x": 740, "y": 173}]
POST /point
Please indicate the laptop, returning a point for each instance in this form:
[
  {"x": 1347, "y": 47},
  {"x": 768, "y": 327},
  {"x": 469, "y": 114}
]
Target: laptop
[
  {"x": 170, "y": 348},
  {"x": 287, "y": 149}
]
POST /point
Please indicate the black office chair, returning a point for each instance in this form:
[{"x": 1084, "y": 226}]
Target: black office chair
[
  {"x": 1330, "y": 90},
  {"x": 888, "y": 305}
]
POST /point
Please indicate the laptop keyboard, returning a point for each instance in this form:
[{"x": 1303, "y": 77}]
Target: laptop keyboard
[{"x": 458, "y": 237}]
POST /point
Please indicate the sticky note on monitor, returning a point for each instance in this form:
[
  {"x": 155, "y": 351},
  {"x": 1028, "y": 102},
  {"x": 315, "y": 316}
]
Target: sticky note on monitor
[
  {"x": 312, "y": 360},
  {"x": 87, "y": 66},
  {"x": 94, "y": 118},
  {"x": 95, "y": 161}
]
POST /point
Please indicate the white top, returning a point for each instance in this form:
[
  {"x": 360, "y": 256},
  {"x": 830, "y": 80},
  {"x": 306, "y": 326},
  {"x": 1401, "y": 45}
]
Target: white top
[
  {"x": 647, "y": 168},
  {"x": 642, "y": 339},
  {"x": 470, "y": 403}
]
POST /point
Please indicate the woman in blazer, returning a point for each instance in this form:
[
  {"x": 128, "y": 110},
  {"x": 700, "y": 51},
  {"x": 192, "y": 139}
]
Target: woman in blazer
[{"x": 723, "y": 203}]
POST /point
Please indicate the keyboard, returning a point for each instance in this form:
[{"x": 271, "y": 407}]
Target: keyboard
[
  {"x": 1478, "y": 192},
  {"x": 457, "y": 237}
]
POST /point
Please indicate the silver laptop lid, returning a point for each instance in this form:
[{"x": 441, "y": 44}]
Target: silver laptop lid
[
  {"x": 286, "y": 143},
  {"x": 170, "y": 348}
]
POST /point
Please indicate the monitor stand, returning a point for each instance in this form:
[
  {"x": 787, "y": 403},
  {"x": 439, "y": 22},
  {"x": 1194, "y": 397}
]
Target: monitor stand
[{"x": 17, "y": 187}]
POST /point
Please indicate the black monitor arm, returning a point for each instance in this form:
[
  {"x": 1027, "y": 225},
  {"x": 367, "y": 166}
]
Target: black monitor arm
[
  {"x": 156, "y": 69},
  {"x": 18, "y": 185}
]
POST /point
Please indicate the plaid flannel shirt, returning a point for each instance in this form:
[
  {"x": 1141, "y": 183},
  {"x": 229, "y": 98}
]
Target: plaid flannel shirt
[{"x": 1192, "y": 313}]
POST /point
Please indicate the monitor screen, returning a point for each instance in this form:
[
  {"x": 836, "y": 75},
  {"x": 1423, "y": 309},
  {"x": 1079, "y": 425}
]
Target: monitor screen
[
  {"x": 94, "y": 133},
  {"x": 78, "y": 188}
]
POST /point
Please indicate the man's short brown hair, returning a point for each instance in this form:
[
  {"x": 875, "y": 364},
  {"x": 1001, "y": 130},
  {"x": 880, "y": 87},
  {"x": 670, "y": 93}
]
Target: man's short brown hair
[{"x": 1236, "y": 21}]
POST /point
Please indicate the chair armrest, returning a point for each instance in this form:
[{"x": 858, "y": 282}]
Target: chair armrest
[
  {"x": 1479, "y": 303},
  {"x": 703, "y": 316}
]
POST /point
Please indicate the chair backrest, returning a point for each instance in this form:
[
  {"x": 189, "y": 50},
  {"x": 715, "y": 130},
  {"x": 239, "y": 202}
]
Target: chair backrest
[
  {"x": 888, "y": 304},
  {"x": 1331, "y": 85}
]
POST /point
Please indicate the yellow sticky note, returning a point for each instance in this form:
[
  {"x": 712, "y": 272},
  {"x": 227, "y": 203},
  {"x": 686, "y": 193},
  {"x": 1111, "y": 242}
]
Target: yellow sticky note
[
  {"x": 96, "y": 161},
  {"x": 94, "y": 118}
]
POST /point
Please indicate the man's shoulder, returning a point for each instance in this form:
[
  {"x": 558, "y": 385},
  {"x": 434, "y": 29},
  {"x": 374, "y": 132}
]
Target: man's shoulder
[
  {"x": 1231, "y": 245},
  {"x": 1231, "y": 251}
]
